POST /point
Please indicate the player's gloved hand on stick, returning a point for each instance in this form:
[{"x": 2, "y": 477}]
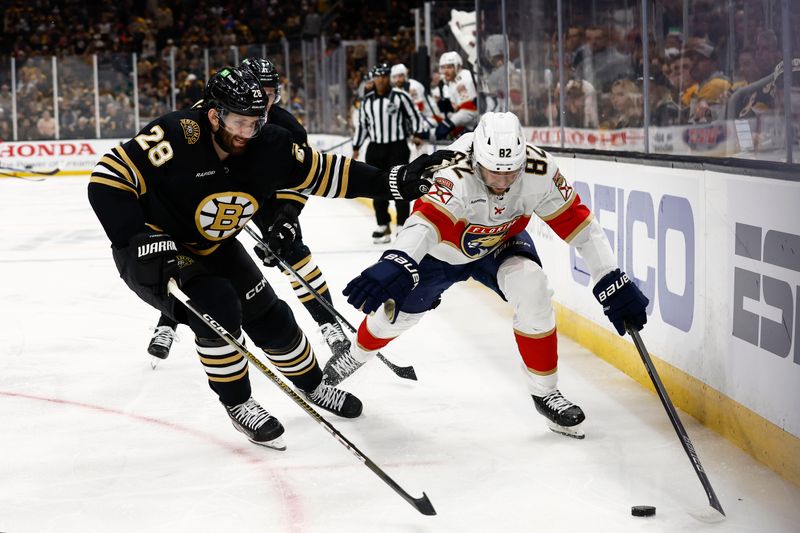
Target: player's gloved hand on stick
[
  {"x": 394, "y": 276},
  {"x": 622, "y": 301},
  {"x": 155, "y": 260},
  {"x": 279, "y": 234},
  {"x": 409, "y": 182}
]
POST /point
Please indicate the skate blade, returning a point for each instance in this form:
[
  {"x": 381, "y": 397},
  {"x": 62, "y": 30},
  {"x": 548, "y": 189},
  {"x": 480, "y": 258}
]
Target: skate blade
[
  {"x": 276, "y": 444},
  {"x": 154, "y": 362},
  {"x": 382, "y": 240},
  {"x": 575, "y": 431}
]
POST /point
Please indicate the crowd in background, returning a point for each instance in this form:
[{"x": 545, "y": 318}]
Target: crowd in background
[{"x": 693, "y": 78}]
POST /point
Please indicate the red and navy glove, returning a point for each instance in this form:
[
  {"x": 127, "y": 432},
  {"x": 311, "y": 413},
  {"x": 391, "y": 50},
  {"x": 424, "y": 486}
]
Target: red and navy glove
[
  {"x": 393, "y": 277},
  {"x": 623, "y": 302}
]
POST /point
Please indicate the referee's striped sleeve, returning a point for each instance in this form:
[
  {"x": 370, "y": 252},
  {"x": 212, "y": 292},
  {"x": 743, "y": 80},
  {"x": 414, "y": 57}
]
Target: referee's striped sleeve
[
  {"x": 360, "y": 134},
  {"x": 413, "y": 118}
]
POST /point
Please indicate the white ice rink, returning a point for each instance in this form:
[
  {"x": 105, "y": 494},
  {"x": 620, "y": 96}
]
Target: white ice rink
[{"x": 92, "y": 439}]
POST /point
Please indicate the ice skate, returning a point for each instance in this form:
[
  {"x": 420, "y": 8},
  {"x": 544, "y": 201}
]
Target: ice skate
[
  {"x": 382, "y": 235},
  {"x": 333, "y": 400},
  {"x": 562, "y": 415},
  {"x": 257, "y": 424},
  {"x": 339, "y": 367},
  {"x": 160, "y": 344},
  {"x": 335, "y": 338}
]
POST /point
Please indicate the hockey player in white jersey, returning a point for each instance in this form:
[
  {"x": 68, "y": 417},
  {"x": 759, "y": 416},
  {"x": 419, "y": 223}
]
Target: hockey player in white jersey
[
  {"x": 459, "y": 101},
  {"x": 427, "y": 107},
  {"x": 471, "y": 224}
]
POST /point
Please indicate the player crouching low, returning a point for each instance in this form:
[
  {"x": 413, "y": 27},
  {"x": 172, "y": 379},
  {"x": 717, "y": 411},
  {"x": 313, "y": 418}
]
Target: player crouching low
[{"x": 472, "y": 224}]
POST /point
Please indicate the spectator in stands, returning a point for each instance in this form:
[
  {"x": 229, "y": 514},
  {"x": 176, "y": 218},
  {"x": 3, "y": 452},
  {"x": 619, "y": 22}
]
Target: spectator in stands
[
  {"x": 603, "y": 64},
  {"x": 664, "y": 111},
  {"x": 711, "y": 87},
  {"x": 768, "y": 54},
  {"x": 626, "y": 99},
  {"x": 747, "y": 69},
  {"x": 580, "y": 104},
  {"x": 46, "y": 126}
]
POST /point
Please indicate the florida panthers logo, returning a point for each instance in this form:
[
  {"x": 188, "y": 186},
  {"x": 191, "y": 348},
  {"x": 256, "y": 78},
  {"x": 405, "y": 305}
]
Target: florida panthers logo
[
  {"x": 478, "y": 240},
  {"x": 220, "y": 215}
]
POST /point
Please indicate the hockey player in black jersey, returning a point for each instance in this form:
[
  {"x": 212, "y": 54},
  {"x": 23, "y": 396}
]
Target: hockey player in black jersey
[
  {"x": 172, "y": 201},
  {"x": 282, "y": 208}
]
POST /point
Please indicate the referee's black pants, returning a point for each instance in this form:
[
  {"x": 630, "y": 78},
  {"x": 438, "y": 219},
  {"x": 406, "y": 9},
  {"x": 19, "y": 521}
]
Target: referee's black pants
[{"x": 385, "y": 156}]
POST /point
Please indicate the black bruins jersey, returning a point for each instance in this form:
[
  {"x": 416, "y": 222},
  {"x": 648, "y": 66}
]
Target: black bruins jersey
[{"x": 169, "y": 178}]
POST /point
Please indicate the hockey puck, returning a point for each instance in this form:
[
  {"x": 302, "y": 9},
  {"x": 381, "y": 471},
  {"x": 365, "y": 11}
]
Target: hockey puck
[{"x": 643, "y": 510}]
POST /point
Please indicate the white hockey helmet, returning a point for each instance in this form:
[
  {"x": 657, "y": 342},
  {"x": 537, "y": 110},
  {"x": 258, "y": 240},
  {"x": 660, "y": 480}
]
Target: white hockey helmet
[
  {"x": 399, "y": 69},
  {"x": 450, "y": 58},
  {"x": 499, "y": 150}
]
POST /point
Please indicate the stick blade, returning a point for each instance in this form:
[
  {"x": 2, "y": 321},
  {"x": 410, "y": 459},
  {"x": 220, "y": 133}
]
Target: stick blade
[
  {"x": 708, "y": 515},
  {"x": 424, "y": 505}
]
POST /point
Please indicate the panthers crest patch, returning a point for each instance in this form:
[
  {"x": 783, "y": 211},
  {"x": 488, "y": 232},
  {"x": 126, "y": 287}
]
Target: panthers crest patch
[{"x": 191, "y": 130}]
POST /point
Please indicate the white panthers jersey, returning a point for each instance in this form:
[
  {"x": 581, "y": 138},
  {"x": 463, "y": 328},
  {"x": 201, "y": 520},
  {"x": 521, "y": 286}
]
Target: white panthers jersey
[
  {"x": 459, "y": 220},
  {"x": 461, "y": 91}
]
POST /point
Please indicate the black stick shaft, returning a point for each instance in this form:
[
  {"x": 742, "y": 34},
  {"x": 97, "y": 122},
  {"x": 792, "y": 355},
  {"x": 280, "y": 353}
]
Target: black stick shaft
[
  {"x": 405, "y": 372},
  {"x": 676, "y": 421},
  {"x": 423, "y": 504}
]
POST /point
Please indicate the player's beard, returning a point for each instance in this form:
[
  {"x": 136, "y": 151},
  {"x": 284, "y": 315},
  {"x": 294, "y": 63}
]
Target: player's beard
[{"x": 225, "y": 140}]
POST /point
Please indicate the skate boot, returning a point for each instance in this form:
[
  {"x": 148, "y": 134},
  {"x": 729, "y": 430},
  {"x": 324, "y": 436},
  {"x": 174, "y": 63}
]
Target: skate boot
[
  {"x": 339, "y": 367},
  {"x": 336, "y": 401},
  {"x": 161, "y": 342},
  {"x": 562, "y": 415},
  {"x": 335, "y": 338},
  {"x": 257, "y": 424},
  {"x": 382, "y": 235}
]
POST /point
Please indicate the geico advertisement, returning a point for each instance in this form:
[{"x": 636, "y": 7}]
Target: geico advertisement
[
  {"x": 754, "y": 287},
  {"x": 653, "y": 219}
]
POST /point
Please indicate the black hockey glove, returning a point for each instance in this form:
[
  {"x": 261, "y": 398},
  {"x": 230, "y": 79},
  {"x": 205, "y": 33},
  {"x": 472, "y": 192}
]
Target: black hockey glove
[
  {"x": 443, "y": 129},
  {"x": 281, "y": 233},
  {"x": 622, "y": 301},
  {"x": 445, "y": 105},
  {"x": 154, "y": 259},
  {"x": 409, "y": 182},
  {"x": 393, "y": 277}
]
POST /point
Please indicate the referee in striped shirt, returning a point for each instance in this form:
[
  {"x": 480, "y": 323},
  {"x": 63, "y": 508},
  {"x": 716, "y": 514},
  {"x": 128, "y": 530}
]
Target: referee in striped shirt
[{"x": 388, "y": 117}]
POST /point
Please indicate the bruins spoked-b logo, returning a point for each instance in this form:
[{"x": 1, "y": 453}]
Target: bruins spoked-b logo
[
  {"x": 191, "y": 130},
  {"x": 224, "y": 213}
]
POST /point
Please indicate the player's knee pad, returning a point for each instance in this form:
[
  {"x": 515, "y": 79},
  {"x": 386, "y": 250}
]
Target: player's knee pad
[
  {"x": 217, "y": 297},
  {"x": 525, "y": 286},
  {"x": 276, "y": 329}
]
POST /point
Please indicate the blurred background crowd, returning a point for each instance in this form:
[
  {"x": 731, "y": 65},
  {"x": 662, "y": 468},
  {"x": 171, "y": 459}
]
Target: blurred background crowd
[{"x": 86, "y": 69}]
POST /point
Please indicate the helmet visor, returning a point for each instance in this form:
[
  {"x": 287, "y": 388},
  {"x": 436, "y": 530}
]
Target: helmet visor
[
  {"x": 243, "y": 126},
  {"x": 498, "y": 180}
]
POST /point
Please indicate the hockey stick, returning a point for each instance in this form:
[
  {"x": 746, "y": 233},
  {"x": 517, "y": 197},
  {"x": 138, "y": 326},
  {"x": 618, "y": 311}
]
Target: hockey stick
[
  {"x": 405, "y": 372},
  {"x": 676, "y": 421},
  {"x": 423, "y": 504},
  {"x": 11, "y": 171}
]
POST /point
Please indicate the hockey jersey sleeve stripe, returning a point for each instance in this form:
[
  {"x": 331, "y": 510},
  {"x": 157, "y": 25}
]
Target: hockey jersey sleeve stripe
[
  {"x": 570, "y": 221},
  {"x": 97, "y": 178},
  {"x": 140, "y": 183},
  {"x": 326, "y": 176},
  {"x": 292, "y": 196},
  {"x": 446, "y": 225},
  {"x": 555, "y": 214},
  {"x": 345, "y": 177},
  {"x": 469, "y": 105},
  {"x": 312, "y": 172},
  {"x": 116, "y": 167}
]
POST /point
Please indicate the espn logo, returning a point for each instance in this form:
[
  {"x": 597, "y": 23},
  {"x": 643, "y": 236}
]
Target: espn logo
[
  {"x": 614, "y": 287},
  {"x": 155, "y": 248}
]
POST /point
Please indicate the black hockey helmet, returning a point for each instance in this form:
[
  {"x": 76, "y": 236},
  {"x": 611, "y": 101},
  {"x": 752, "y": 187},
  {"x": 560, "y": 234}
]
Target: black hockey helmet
[
  {"x": 381, "y": 69},
  {"x": 232, "y": 90},
  {"x": 265, "y": 71}
]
